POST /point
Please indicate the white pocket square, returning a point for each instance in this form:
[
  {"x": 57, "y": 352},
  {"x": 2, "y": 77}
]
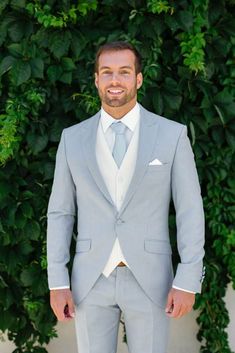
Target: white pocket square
[{"x": 155, "y": 162}]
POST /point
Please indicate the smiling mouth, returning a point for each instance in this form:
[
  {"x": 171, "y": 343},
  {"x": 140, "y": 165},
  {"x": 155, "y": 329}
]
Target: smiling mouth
[{"x": 115, "y": 92}]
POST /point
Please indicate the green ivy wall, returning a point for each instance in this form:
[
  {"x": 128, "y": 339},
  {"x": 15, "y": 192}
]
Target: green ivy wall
[{"x": 46, "y": 83}]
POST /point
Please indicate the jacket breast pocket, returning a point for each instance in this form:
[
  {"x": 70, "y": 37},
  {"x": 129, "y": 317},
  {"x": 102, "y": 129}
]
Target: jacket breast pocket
[
  {"x": 83, "y": 245},
  {"x": 157, "y": 246},
  {"x": 158, "y": 168}
]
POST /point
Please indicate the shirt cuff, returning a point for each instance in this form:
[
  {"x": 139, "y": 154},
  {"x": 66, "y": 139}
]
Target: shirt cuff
[
  {"x": 64, "y": 287},
  {"x": 184, "y": 290}
]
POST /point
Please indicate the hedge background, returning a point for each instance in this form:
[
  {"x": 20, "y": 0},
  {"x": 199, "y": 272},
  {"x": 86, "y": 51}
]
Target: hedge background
[{"x": 46, "y": 84}]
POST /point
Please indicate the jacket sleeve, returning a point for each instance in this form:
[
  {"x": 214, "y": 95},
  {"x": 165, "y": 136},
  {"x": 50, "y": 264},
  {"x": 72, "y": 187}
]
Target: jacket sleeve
[
  {"x": 186, "y": 194},
  {"x": 60, "y": 220}
]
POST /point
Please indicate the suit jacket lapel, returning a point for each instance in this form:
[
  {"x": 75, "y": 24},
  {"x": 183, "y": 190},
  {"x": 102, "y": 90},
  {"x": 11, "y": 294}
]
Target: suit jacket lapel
[
  {"x": 89, "y": 145},
  {"x": 147, "y": 142}
]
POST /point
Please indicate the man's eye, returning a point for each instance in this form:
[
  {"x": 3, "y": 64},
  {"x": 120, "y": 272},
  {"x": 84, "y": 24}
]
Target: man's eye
[
  {"x": 107, "y": 72},
  {"x": 125, "y": 72}
]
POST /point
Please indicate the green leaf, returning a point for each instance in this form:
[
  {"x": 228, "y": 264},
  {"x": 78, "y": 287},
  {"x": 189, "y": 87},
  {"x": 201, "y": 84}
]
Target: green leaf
[
  {"x": 16, "y": 50},
  {"x": 172, "y": 22},
  {"x": 6, "y": 64},
  {"x": 25, "y": 248},
  {"x": 11, "y": 216},
  {"x": 1, "y": 227},
  {"x": 20, "y": 72},
  {"x": 32, "y": 230},
  {"x": 3, "y": 283},
  {"x": 5, "y": 189},
  {"x": 193, "y": 134},
  {"x": 27, "y": 209},
  {"x": 20, "y": 220},
  {"x": 27, "y": 194},
  {"x": 54, "y": 72},
  {"x": 7, "y": 320},
  {"x": 37, "y": 67},
  {"x": 215, "y": 11},
  {"x": 17, "y": 30},
  {"x": 185, "y": 19},
  {"x": 18, "y": 3},
  {"x": 224, "y": 97},
  {"x": 229, "y": 26},
  {"x": 230, "y": 111},
  {"x": 3, "y": 34},
  {"x": 48, "y": 170},
  {"x": 55, "y": 131},
  {"x": 230, "y": 139},
  {"x": 171, "y": 85},
  {"x": 220, "y": 114},
  {"x": 172, "y": 101},
  {"x": 66, "y": 77},
  {"x": 59, "y": 43},
  {"x": 30, "y": 275},
  {"x": 221, "y": 46},
  {"x": 78, "y": 44},
  {"x": 68, "y": 64},
  {"x": 33, "y": 277},
  {"x": 3, "y": 4},
  {"x": 36, "y": 143},
  {"x": 218, "y": 135},
  {"x": 157, "y": 101}
]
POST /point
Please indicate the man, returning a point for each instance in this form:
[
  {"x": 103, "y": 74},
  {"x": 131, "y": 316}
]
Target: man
[{"x": 117, "y": 171}]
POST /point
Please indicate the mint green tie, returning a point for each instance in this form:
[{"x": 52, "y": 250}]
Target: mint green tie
[{"x": 120, "y": 145}]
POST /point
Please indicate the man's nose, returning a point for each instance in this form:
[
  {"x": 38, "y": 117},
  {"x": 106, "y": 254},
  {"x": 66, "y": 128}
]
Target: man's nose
[{"x": 115, "y": 78}]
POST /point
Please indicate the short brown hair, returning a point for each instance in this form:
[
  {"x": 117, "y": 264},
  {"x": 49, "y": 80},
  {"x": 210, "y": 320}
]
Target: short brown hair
[{"x": 116, "y": 46}]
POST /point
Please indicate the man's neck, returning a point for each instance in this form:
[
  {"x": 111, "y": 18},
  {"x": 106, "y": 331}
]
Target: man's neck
[{"x": 119, "y": 112}]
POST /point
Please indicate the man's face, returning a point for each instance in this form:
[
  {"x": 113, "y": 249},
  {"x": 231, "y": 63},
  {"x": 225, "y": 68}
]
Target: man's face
[{"x": 116, "y": 79}]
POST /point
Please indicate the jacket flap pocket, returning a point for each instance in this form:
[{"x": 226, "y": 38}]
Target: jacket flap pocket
[
  {"x": 157, "y": 246},
  {"x": 83, "y": 245}
]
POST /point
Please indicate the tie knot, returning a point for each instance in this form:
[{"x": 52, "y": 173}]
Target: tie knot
[{"x": 118, "y": 127}]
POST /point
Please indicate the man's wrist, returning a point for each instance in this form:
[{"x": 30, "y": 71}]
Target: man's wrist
[
  {"x": 62, "y": 287},
  {"x": 184, "y": 290}
]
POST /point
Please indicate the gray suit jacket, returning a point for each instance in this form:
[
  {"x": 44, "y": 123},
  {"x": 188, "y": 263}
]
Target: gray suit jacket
[{"x": 141, "y": 225}]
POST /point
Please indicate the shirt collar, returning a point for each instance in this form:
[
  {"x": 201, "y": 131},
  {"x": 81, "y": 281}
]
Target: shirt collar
[{"x": 130, "y": 119}]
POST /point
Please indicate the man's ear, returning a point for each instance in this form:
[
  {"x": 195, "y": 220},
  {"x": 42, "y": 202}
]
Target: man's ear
[
  {"x": 139, "y": 80},
  {"x": 96, "y": 79}
]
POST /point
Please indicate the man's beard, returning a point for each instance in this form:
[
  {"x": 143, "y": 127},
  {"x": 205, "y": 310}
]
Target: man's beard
[{"x": 117, "y": 102}]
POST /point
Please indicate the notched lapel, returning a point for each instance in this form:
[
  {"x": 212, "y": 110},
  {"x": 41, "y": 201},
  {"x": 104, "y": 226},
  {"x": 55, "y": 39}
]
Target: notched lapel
[
  {"x": 147, "y": 142},
  {"x": 89, "y": 145}
]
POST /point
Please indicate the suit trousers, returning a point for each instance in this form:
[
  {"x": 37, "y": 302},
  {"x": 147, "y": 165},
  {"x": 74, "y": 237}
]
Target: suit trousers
[{"x": 98, "y": 315}]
